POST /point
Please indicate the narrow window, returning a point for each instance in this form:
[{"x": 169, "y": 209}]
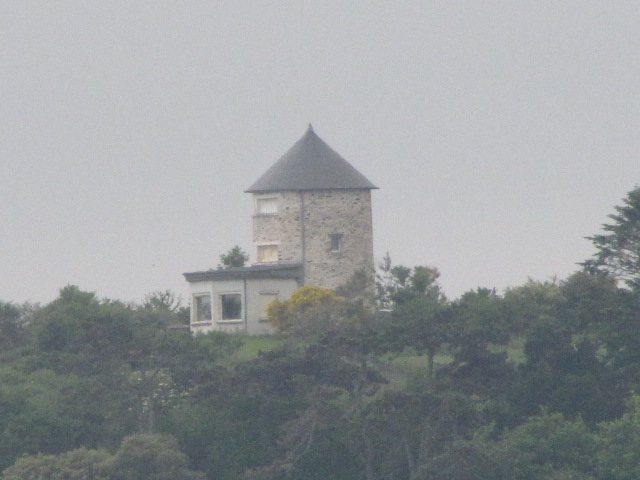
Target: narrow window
[
  {"x": 231, "y": 304},
  {"x": 336, "y": 242},
  {"x": 203, "y": 308},
  {"x": 267, "y": 253},
  {"x": 265, "y": 299},
  {"x": 267, "y": 206}
]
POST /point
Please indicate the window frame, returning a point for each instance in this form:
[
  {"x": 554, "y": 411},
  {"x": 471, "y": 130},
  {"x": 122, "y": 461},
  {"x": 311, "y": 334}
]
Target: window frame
[
  {"x": 263, "y": 245},
  {"x": 198, "y": 310},
  {"x": 271, "y": 200},
  {"x": 275, "y": 295},
  {"x": 221, "y": 309},
  {"x": 338, "y": 239}
]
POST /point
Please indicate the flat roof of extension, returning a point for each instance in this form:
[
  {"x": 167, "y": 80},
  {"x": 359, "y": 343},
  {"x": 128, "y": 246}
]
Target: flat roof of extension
[{"x": 285, "y": 271}]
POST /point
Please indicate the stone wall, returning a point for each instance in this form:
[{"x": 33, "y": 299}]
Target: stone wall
[
  {"x": 283, "y": 228},
  {"x": 306, "y": 238},
  {"x": 337, "y": 212}
]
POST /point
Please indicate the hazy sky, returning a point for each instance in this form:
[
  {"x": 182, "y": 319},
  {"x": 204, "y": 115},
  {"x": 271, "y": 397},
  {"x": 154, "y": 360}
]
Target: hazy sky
[{"x": 500, "y": 133}]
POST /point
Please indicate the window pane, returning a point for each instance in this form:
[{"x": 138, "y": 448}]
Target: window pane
[
  {"x": 203, "y": 308},
  {"x": 267, "y": 206},
  {"x": 267, "y": 253},
  {"x": 231, "y": 306},
  {"x": 336, "y": 242}
]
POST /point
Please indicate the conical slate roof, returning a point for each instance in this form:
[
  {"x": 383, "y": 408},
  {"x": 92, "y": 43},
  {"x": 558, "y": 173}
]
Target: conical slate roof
[{"x": 310, "y": 164}]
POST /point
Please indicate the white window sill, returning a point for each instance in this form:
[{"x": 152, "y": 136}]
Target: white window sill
[{"x": 239, "y": 320}]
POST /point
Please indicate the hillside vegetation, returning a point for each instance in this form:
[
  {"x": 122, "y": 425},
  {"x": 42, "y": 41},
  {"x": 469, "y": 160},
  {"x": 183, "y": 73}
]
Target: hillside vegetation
[{"x": 536, "y": 383}]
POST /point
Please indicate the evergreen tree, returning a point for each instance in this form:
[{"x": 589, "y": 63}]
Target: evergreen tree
[{"x": 618, "y": 250}]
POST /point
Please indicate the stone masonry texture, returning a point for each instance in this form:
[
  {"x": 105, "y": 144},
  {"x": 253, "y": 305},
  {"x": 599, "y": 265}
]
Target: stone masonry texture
[{"x": 303, "y": 227}]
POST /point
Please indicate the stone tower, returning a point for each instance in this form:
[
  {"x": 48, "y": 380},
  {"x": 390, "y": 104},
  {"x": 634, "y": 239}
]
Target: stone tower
[{"x": 313, "y": 208}]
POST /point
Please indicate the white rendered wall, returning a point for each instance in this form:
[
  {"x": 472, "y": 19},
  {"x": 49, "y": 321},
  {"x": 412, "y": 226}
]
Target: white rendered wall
[{"x": 251, "y": 290}]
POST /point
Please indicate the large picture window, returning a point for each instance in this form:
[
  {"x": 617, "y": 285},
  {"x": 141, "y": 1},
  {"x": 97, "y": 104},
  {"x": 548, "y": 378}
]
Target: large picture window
[
  {"x": 202, "y": 305},
  {"x": 231, "y": 305}
]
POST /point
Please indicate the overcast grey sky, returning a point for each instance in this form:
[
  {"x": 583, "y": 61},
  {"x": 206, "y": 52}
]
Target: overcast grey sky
[{"x": 500, "y": 133}]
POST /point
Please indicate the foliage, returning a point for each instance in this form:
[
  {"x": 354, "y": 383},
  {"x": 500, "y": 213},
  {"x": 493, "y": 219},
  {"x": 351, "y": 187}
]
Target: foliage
[
  {"x": 618, "y": 250},
  {"x": 10, "y": 330},
  {"x": 565, "y": 371},
  {"x": 546, "y": 445},
  {"x": 530, "y": 303},
  {"x": 80, "y": 464},
  {"x": 86, "y": 385},
  {"x": 77, "y": 333},
  {"x": 140, "y": 457},
  {"x": 619, "y": 445},
  {"x": 480, "y": 319},
  {"x": 167, "y": 305},
  {"x": 420, "y": 312},
  {"x": 51, "y": 413},
  {"x": 397, "y": 283},
  {"x": 310, "y": 311},
  {"x": 360, "y": 293},
  {"x": 150, "y": 457},
  {"x": 234, "y": 258}
]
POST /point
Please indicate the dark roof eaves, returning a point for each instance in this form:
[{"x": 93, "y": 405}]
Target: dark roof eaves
[
  {"x": 290, "y": 271},
  {"x": 310, "y": 164}
]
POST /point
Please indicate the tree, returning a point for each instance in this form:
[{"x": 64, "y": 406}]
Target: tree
[
  {"x": 310, "y": 311},
  {"x": 359, "y": 291},
  {"x": 80, "y": 464},
  {"x": 234, "y": 258},
  {"x": 167, "y": 307},
  {"x": 150, "y": 457},
  {"x": 78, "y": 333},
  {"x": 547, "y": 447},
  {"x": 619, "y": 452},
  {"x": 422, "y": 323},
  {"x": 397, "y": 283},
  {"x": 463, "y": 460},
  {"x": 477, "y": 324},
  {"x": 618, "y": 250},
  {"x": 565, "y": 371},
  {"x": 420, "y": 312},
  {"x": 10, "y": 331},
  {"x": 163, "y": 301},
  {"x": 480, "y": 319},
  {"x": 530, "y": 303},
  {"x": 48, "y": 413}
]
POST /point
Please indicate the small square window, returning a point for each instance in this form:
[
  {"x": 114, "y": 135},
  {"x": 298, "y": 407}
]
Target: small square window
[
  {"x": 267, "y": 206},
  {"x": 203, "y": 308},
  {"x": 231, "y": 304},
  {"x": 336, "y": 242},
  {"x": 267, "y": 253}
]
